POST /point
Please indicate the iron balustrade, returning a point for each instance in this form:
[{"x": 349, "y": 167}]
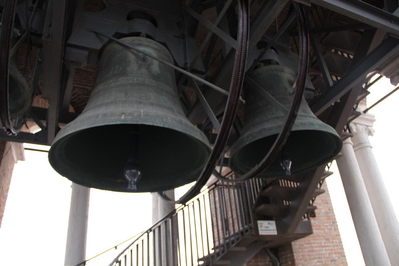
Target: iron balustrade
[{"x": 198, "y": 233}]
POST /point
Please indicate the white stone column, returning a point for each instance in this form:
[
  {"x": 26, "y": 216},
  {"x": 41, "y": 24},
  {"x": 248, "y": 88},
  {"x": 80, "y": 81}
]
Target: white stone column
[
  {"x": 75, "y": 252},
  {"x": 371, "y": 243},
  {"x": 161, "y": 208},
  {"x": 382, "y": 206}
]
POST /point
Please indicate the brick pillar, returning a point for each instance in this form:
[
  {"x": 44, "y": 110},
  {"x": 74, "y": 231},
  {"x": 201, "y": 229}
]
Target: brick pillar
[
  {"x": 10, "y": 153},
  {"x": 324, "y": 246}
]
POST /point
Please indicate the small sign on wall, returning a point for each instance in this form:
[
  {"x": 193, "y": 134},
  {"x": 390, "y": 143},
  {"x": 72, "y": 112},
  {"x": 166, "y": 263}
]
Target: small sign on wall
[{"x": 267, "y": 227}]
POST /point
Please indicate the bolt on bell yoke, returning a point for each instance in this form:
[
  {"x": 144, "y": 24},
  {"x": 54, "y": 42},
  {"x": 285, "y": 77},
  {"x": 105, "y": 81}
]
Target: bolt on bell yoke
[{"x": 133, "y": 135}]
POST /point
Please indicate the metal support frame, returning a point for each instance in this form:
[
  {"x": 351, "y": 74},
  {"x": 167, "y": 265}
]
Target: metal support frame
[
  {"x": 363, "y": 12},
  {"x": 384, "y": 51},
  {"x": 322, "y": 63},
  {"x": 298, "y": 206},
  {"x": 226, "y": 38},
  {"x": 53, "y": 48},
  {"x": 346, "y": 90},
  {"x": 342, "y": 110},
  {"x": 259, "y": 25}
]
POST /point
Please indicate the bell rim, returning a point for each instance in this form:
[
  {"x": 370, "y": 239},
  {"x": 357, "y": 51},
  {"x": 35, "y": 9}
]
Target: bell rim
[
  {"x": 337, "y": 146},
  {"x": 61, "y": 142}
]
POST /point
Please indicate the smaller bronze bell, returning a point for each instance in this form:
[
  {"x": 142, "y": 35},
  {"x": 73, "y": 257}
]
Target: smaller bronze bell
[{"x": 310, "y": 144}]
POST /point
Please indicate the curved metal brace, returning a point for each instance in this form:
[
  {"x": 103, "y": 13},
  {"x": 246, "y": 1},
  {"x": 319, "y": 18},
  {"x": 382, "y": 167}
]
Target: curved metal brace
[
  {"x": 300, "y": 88},
  {"x": 11, "y": 126},
  {"x": 5, "y": 48},
  {"x": 231, "y": 107}
]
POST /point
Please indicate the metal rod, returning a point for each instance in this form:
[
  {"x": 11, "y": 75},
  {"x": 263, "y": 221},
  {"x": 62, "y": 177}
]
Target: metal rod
[
  {"x": 267, "y": 95},
  {"x": 206, "y": 106},
  {"x": 148, "y": 248},
  {"x": 223, "y": 35},
  {"x": 208, "y": 230},
  {"x": 232, "y": 105},
  {"x": 382, "y": 99},
  {"x": 201, "y": 228},
  {"x": 207, "y": 83},
  {"x": 322, "y": 62},
  {"x": 209, "y": 35},
  {"x": 231, "y": 223},
  {"x": 154, "y": 251},
  {"x": 374, "y": 81},
  {"x": 222, "y": 205}
]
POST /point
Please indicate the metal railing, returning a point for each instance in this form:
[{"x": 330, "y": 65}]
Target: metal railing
[{"x": 198, "y": 233}]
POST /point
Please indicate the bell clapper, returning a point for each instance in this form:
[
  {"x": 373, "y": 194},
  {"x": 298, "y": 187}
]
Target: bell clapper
[
  {"x": 132, "y": 175},
  {"x": 132, "y": 170},
  {"x": 286, "y": 163}
]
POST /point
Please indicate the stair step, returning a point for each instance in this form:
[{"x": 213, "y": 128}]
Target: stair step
[
  {"x": 272, "y": 210},
  {"x": 318, "y": 192},
  {"x": 222, "y": 262},
  {"x": 345, "y": 41},
  {"x": 293, "y": 178},
  {"x": 281, "y": 193},
  {"x": 310, "y": 209},
  {"x": 238, "y": 248},
  {"x": 326, "y": 174},
  {"x": 337, "y": 64}
]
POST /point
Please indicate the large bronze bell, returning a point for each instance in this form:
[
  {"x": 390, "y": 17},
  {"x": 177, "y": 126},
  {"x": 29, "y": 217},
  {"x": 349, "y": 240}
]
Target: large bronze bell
[
  {"x": 133, "y": 135},
  {"x": 311, "y": 142}
]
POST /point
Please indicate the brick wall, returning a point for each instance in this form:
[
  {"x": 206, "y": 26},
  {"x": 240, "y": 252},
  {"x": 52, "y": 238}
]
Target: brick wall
[
  {"x": 10, "y": 152},
  {"x": 260, "y": 259},
  {"x": 323, "y": 247},
  {"x": 286, "y": 255}
]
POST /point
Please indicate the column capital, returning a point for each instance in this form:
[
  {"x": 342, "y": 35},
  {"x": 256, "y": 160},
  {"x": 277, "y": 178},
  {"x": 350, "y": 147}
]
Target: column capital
[
  {"x": 363, "y": 122},
  {"x": 362, "y": 128},
  {"x": 357, "y": 128}
]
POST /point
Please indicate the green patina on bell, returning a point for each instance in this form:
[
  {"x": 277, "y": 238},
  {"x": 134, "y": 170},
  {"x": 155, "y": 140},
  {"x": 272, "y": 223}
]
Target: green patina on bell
[
  {"x": 311, "y": 142},
  {"x": 133, "y": 127}
]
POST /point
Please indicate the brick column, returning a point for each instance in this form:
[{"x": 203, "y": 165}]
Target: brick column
[{"x": 10, "y": 153}]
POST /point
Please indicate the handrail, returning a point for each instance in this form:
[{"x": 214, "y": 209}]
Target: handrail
[{"x": 197, "y": 233}]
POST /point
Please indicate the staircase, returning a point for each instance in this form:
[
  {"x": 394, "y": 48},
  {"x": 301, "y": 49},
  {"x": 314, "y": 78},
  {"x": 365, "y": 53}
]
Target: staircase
[
  {"x": 199, "y": 233},
  {"x": 219, "y": 226}
]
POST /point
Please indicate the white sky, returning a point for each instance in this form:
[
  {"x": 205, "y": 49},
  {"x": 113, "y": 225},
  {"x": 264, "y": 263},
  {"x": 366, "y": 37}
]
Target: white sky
[
  {"x": 35, "y": 222},
  {"x": 34, "y": 226}
]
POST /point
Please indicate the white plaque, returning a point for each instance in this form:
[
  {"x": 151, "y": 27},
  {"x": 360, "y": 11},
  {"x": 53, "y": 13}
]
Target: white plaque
[{"x": 267, "y": 228}]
